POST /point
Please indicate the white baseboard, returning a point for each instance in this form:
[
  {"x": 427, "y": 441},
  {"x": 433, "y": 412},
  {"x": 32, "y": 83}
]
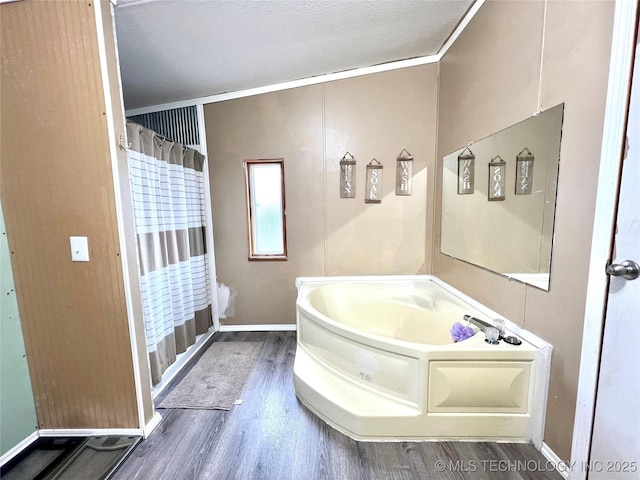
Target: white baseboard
[
  {"x": 281, "y": 327},
  {"x": 90, "y": 432},
  {"x": 561, "y": 467},
  {"x": 23, "y": 445},
  {"x": 153, "y": 423}
]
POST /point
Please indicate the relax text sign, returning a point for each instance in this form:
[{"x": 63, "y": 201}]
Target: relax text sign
[
  {"x": 347, "y": 177},
  {"x": 524, "y": 172}
]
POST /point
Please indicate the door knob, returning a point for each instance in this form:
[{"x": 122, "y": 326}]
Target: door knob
[{"x": 627, "y": 269}]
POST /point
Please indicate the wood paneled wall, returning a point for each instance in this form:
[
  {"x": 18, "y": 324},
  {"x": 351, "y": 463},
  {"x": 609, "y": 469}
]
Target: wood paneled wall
[{"x": 57, "y": 182}]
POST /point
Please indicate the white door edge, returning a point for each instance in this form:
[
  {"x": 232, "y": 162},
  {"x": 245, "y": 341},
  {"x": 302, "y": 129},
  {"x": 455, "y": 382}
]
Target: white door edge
[
  {"x": 211, "y": 254},
  {"x": 620, "y": 67}
]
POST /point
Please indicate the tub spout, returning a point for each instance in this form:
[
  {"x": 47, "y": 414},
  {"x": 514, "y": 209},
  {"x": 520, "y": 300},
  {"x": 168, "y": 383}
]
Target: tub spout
[
  {"x": 491, "y": 333},
  {"x": 497, "y": 330},
  {"x": 481, "y": 324}
]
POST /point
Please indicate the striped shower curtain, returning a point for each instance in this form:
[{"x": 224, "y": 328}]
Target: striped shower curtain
[{"x": 169, "y": 210}]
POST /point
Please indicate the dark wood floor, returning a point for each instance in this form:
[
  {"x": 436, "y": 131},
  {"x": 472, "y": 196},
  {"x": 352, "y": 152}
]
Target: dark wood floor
[{"x": 272, "y": 436}]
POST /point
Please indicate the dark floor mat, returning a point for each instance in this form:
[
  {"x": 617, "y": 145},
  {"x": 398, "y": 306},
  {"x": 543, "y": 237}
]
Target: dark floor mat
[{"x": 70, "y": 458}]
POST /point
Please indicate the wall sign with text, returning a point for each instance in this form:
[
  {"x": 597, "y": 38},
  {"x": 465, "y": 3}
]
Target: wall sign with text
[
  {"x": 497, "y": 174},
  {"x": 373, "y": 188},
  {"x": 466, "y": 172},
  {"x": 404, "y": 173},
  {"x": 524, "y": 172},
  {"x": 348, "y": 176}
]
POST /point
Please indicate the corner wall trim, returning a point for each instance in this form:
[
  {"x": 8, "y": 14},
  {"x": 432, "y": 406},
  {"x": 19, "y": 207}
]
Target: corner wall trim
[
  {"x": 460, "y": 28},
  {"x": 259, "y": 328},
  {"x": 211, "y": 251},
  {"x": 122, "y": 232},
  {"x": 23, "y": 445},
  {"x": 561, "y": 467},
  {"x": 153, "y": 423},
  {"x": 329, "y": 77}
]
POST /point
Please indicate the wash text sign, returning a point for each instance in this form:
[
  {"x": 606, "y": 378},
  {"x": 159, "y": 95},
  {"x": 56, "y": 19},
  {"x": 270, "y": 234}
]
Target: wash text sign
[
  {"x": 466, "y": 173},
  {"x": 404, "y": 173}
]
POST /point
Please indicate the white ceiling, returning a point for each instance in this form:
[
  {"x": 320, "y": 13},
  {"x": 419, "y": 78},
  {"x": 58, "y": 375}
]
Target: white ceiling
[{"x": 173, "y": 50}]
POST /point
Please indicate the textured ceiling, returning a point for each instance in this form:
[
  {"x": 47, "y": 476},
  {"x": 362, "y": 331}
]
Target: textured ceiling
[{"x": 172, "y": 50}]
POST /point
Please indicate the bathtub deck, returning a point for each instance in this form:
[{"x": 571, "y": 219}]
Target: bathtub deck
[{"x": 272, "y": 436}]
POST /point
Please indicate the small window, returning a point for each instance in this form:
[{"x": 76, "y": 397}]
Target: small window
[{"x": 265, "y": 208}]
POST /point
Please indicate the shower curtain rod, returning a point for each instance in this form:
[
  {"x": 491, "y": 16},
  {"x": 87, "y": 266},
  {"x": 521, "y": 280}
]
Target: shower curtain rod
[{"x": 162, "y": 137}]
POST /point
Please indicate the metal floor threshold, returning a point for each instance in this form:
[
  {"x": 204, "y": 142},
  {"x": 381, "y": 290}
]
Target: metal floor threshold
[{"x": 70, "y": 458}]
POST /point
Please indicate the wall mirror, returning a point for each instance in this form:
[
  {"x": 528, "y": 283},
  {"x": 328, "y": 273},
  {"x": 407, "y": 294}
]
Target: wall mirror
[{"x": 499, "y": 198}]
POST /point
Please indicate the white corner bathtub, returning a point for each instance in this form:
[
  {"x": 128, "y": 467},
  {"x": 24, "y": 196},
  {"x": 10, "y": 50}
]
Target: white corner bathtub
[{"x": 376, "y": 361}]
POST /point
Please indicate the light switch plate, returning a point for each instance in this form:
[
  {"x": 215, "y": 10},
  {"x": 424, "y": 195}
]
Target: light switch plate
[{"x": 79, "y": 249}]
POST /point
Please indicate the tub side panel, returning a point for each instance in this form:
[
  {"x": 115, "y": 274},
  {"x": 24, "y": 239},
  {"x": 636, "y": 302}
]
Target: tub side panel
[
  {"x": 479, "y": 386},
  {"x": 379, "y": 370}
]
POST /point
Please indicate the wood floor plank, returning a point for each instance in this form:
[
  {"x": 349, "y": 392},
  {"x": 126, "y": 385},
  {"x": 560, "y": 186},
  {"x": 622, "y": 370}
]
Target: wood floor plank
[
  {"x": 311, "y": 453},
  {"x": 272, "y": 436}
]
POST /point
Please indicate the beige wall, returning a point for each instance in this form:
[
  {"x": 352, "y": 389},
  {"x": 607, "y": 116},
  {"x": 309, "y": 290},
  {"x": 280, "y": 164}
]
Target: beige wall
[
  {"x": 57, "y": 182},
  {"x": 312, "y": 128},
  {"x": 484, "y": 87}
]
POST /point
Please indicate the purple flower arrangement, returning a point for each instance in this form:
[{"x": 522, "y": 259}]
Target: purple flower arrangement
[{"x": 460, "y": 332}]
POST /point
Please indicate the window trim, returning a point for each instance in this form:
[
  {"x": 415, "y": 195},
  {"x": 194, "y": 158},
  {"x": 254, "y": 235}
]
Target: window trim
[{"x": 253, "y": 256}]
